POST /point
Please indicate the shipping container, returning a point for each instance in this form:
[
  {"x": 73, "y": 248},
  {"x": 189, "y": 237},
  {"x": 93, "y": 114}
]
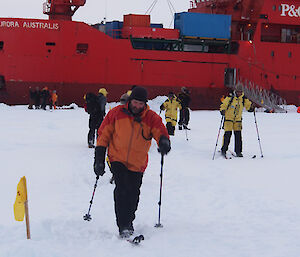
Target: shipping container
[
  {"x": 136, "y": 20},
  {"x": 99, "y": 26},
  {"x": 203, "y": 25},
  {"x": 114, "y": 29},
  {"x": 154, "y": 33}
]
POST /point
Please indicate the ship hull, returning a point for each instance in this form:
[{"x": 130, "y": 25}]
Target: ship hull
[
  {"x": 17, "y": 93},
  {"x": 74, "y": 58}
]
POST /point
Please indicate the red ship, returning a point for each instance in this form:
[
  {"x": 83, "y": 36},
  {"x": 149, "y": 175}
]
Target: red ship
[{"x": 263, "y": 46}]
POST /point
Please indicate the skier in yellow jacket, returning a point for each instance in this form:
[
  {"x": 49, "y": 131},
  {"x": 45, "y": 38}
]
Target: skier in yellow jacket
[
  {"x": 171, "y": 105},
  {"x": 232, "y": 108}
]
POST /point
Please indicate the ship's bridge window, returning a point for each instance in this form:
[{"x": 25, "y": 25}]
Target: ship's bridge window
[
  {"x": 290, "y": 35},
  {"x": 1, "y": 45},
  {"x": 280, "y": 33},
  {"x": 82, "y": 48}
]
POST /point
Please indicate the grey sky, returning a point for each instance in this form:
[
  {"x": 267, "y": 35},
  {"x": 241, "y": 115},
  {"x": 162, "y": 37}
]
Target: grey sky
[{"x": 95, "y": 10}]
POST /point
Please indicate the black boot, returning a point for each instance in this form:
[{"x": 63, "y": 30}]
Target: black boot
[{"x": 226, "y": 141}]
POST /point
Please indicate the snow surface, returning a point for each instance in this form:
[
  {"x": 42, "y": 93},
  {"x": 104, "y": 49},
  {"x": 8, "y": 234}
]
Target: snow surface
[{"x": 210, "y": 208}]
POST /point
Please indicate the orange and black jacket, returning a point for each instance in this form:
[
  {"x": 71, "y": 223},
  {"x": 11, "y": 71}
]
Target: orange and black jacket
[{"x": 129, "y": 139}]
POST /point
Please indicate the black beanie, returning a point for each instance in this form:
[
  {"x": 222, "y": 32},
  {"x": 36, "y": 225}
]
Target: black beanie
[{"x": 140, "y": 94}]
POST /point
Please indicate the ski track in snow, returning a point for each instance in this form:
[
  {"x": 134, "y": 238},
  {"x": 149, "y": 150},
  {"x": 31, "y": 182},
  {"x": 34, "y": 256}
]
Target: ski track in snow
[{"x": 232, "y": 208}]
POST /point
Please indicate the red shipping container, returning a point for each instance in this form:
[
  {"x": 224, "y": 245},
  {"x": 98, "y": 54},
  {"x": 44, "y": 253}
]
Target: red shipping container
[
  {"x": 162, "y": 33},
  {"x": 154, "y": 33},
  {"x": 136, "y": 20}
]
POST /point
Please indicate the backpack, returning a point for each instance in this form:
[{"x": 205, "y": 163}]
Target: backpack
[{"x": 92, "y": 103}]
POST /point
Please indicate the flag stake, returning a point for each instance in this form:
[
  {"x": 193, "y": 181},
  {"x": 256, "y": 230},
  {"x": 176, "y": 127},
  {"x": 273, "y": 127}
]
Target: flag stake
[{"x": 27, "y": 219}]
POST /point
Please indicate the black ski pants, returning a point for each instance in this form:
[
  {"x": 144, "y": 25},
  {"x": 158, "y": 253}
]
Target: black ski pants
[
  {"x": 170, "y": 128},
  {"x": 126, "y": 194},
  {"x": 184, "y": 116},
  {"x": 94, "y": 123},
  {"x": 237, "y": 141}
]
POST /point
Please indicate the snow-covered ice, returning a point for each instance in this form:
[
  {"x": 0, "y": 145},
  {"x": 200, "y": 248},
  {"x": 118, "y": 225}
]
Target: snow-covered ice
[{"x": 210, "y": 208}]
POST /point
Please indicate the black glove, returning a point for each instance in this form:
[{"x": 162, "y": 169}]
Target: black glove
[
  {"x": 222, "y": 112},
  {"x": 164, "y": 145},
  {"x": 99, "y": 160}
]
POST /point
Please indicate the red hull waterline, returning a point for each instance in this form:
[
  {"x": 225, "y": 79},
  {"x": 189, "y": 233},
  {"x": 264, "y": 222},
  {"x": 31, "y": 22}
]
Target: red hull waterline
[{"x": 74, "y": 58}]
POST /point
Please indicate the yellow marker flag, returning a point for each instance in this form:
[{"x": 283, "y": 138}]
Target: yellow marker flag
[{"x": 21, "y": 198}]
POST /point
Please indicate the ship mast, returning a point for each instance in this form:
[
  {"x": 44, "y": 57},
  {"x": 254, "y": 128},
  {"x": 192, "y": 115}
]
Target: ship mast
[{"x": 61, "y": 9}]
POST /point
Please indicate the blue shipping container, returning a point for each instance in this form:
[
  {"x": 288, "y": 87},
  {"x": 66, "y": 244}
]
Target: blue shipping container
[
  {"x": 203, "y": 25},
  {"x": 113, "y": 29}
]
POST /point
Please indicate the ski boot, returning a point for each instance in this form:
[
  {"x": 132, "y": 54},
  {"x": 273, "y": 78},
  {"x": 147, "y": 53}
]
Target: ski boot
[{"x": 126, "y": 233}]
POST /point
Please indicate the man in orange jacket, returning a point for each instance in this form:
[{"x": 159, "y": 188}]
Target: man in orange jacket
[{"x": 127, "y": 131}]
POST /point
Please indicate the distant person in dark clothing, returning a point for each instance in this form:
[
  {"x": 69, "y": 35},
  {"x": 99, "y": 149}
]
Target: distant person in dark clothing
[
  {"x": 125, "y": 97},
  {"x": 95, "y": 107},
  {"x": 45, "y": 95},
  {"x": 184, "y": 115},
  {"x": 31, "y": 98},
  {"x": 37, "y": 98}
]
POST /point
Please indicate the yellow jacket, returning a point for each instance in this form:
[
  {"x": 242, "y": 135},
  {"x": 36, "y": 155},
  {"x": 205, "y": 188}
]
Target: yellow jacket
[
  {"x": 171, "y": 107},
  {"x": 234, "y": 106}
]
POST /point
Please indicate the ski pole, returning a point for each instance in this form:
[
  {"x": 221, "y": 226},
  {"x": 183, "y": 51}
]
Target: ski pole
[
  {"x": 261, "y": 153},
  {"x": 185, "y": 122},
  {"x": 159, "y": 225},
  {"x": 218, "y": 136},
  {"x": 87, "y": 216},
  {"x": 186, "y": 135}
]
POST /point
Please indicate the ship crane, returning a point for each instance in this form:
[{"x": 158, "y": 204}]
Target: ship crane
[{"x": 62, "y": 9}]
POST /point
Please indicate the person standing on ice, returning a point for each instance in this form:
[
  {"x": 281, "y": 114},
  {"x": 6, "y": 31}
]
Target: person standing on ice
[
  {"x": 45, "y": 95},
  {"x": 232, "y": 109},
  {"x": 31, "y": 98},
  {"x": 127, "y": 131},
  {"x": 184, "y": 114},
  {"x": 95, "y": 107},
  {"x": 53, "y": 100},
  {"x": 171, "y": 105}
]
